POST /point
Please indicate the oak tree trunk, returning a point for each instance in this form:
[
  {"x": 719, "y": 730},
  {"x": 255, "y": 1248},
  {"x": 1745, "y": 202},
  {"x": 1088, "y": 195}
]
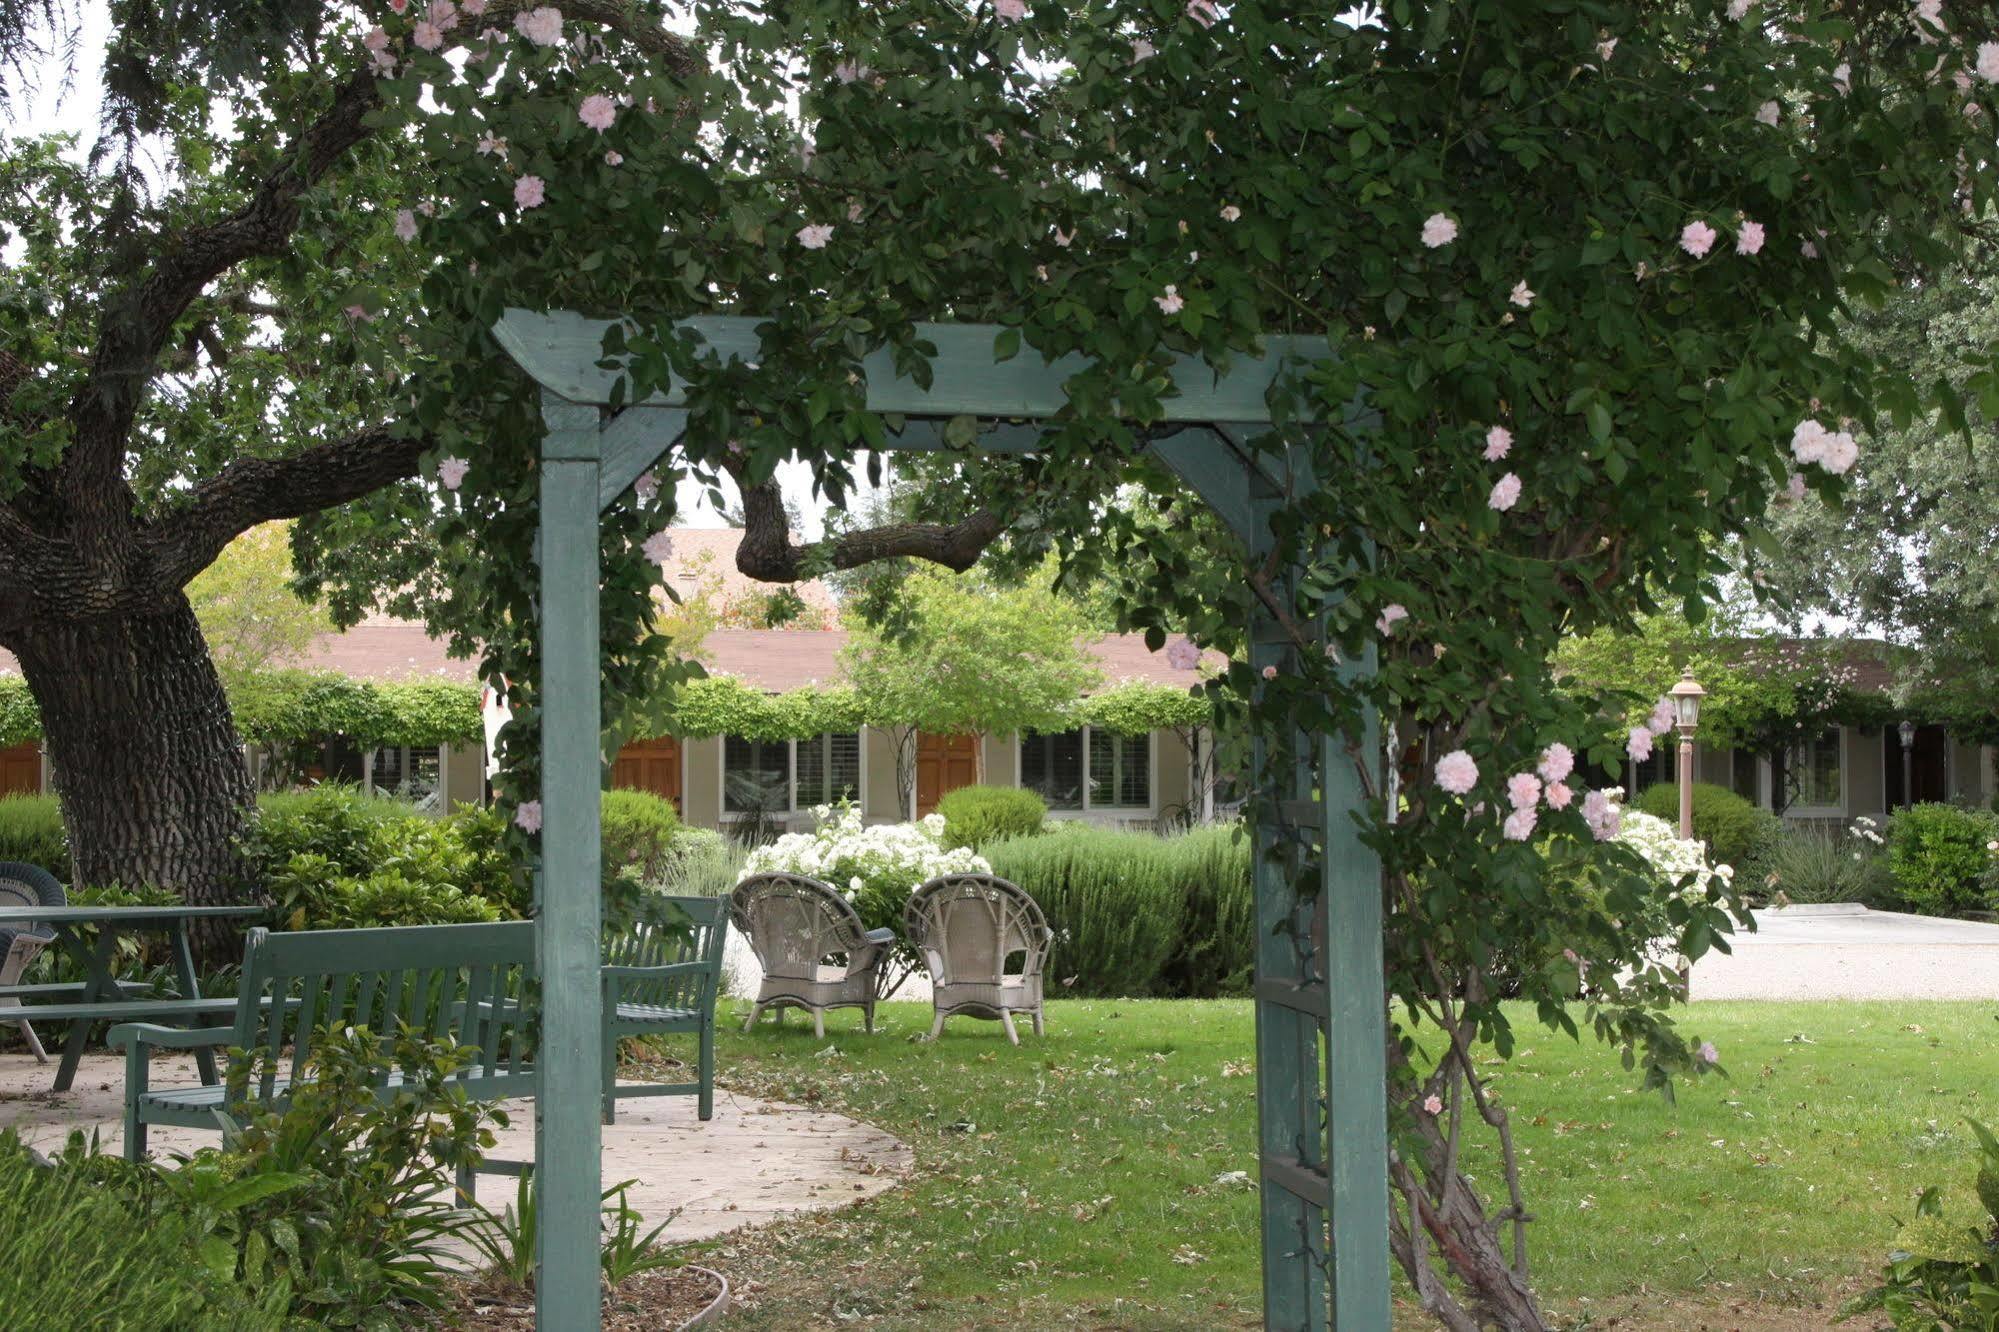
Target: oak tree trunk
[{"x": 151, "y": 777}]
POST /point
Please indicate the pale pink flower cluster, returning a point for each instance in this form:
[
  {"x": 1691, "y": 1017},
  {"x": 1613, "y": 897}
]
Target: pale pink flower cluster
[
  {"x": 528, "y": 816},
  {"x": 1603, "y": 815},
  {"x": 815, "y": 235},
  {"x": 659, "y": 546},
  {"x": 1393, "y": 612},
  {"x": 1457, "y": 772},
  {"x": 1834, "y": 450},
  {"x": 1523, "y": 790},
  {"x": 1439, "y": 230},
  {"x": 1767, "y": 113},
  {"x": 1638, "y": 744},
  {"x": 1519, "y": 825},
  {"x": 1498, "y": 443},
  {"x": 1521, "y": 296},
  {"x": 1230, "y": 212},
  {"x": 541, "y": 26},
  {"x": 1739, "y": 9},
  {"x": 405, "y": 225},
  {"x": 530, "y": 191},
  {"x": 426, "y": 35},
  {"x": 1011, "y": 11},
  {"x": 1662, "y": 718},
  {"x": 1270, "y": 672},
  {"x": 646, "y": 486},
  {"x": 850, "y": 71},
  {"x": 598, "y": 112},
  {"x": 1170, "y": 303},
  {"x": 451, "y": 472},
  {"x": 1433, "y": 1104},
  {"x": 1706, "y": 1053},
  {"x": 1559, "y": 795},
  {"x": 1697, "y": 238},
  {"x": 1749, "y": 237},
  {"x": 1505, "y": 493},
  {"x": 1183, "y": 654},
  {"x": 1557, "y": 762},
  {"x": 1988, "y": 61},
  {"x": 1202, "y": 12}
]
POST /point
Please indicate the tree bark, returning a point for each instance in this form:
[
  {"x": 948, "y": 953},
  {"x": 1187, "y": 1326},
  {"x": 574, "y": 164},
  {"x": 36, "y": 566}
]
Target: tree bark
[{"x": 151, "y": 777}]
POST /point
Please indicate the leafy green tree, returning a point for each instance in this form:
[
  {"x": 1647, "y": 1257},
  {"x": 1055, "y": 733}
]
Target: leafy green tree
[
  {"x": 967, "y": 658},
  {"x": 249, "y": 614}
]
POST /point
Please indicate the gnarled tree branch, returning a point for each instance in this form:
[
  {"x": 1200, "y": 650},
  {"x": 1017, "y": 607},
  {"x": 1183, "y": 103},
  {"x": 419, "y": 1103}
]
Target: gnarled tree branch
[{"x": 768, "y": 554}]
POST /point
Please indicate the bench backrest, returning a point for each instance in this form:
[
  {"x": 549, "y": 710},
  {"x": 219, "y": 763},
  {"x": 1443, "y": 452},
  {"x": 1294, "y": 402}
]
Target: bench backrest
[
  {"x": 470, "y": 985},
  {"x": 646, "y": 944}
]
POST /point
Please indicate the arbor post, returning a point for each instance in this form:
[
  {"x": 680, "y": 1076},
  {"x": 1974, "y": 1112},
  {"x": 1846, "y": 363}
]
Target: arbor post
[{"x": 568, "y": 915}]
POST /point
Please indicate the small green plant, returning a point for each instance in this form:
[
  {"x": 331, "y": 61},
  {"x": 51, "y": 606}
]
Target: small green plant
[
  {"x": 1943, "y": 1276},
  {"x": 1817, "y": 865},
  {"x": 977, "y": 816},
  {"x": 1939, "y": 858},
  {"x": 639, "y": 832},
  {"x": 507, "y": 1240}
]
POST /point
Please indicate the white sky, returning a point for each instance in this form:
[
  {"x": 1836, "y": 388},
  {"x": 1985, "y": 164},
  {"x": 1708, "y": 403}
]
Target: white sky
[{"x": 52, "y": 107}]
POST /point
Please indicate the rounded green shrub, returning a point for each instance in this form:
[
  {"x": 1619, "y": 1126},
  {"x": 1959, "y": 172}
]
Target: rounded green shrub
[
  {"x": 639, "y": 830},
  {"x": 1216, "y": 953},
  {"x": 1938, "y": 856},
  {"x": 31, "y": 830},
  {"x": 976, "y": 816},
  {"x": 1736, "y": 831}
]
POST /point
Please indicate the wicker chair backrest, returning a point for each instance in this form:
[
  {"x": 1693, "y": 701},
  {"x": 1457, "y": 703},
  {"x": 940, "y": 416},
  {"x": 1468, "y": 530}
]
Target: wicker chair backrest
[
  {"x": 793, "y": 923},
  {"x": 968, "y": 925},
  {"x": 30, "y": 885}
]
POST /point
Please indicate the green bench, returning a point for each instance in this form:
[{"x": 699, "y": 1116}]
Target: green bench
[
  {"x": 662, "y": 981},
  {"x": 461, "y": 984}
]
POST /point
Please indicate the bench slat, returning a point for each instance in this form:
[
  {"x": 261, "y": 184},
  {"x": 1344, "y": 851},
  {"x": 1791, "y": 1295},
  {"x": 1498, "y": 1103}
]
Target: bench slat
[{"x": 127, "y": 1009}]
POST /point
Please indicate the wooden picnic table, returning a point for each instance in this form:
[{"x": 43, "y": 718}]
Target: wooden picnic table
[{"x": 102, "y": 996}]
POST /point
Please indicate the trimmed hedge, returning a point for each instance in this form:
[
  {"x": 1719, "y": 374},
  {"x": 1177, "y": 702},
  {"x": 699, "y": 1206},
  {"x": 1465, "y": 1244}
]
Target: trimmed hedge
[
  {"x": 31, "y": 830},
  {"x": 1137, "y": 914},
  {"x": 1938, "y": 857},
  {"x": 976, "y": 816},
  {"x": 1737, "y": 831}
]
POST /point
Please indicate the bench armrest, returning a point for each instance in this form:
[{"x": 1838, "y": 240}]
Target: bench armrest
[
  {"x": 139, "y": 1034},
  {"x": 656, "y": 973}
]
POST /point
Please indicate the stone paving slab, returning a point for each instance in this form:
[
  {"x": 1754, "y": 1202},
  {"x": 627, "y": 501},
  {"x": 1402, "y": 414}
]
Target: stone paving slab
[
  {"x": 753, "y": 1162},
  {"x": 1845, "y": 951}
]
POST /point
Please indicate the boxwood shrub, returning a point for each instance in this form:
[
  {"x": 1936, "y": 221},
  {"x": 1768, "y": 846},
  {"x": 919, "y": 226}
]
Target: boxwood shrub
[
  {"x": 1938, "y": 857},
  {"x": 1737, "y": 831}
]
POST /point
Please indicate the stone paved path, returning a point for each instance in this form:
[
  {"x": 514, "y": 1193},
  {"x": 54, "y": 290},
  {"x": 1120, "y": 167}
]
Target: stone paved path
[
  {"x": 753, "y": 1162},
  {"x": 1846, "y": 951}
]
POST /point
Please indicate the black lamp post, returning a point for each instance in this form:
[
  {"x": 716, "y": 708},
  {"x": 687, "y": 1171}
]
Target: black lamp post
[{"x": 1908, "y": 733}]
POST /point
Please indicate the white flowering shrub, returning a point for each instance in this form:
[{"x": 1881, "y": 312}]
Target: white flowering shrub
[
  {"x": 876, "y": 868},
  {"x": 1675, "y": 859}
]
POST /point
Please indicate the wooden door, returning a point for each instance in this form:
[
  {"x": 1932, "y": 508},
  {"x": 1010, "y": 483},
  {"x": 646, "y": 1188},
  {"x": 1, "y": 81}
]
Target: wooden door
[
  {"x": 20, "y": 770},
  {"x": 649, "y": 765},
  {"x": 943, "y": 764}
]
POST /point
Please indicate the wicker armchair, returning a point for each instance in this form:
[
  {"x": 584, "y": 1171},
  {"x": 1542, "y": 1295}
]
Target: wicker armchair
[
  {"x": 809, "y": 940},
  {"x": 25, "y": 885},
  {"x": 967, "y": 927}
]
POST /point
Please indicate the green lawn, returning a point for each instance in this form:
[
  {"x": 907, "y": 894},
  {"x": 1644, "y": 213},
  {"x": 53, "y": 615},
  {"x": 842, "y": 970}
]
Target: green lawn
[{"x": 1074, "y": 1182}]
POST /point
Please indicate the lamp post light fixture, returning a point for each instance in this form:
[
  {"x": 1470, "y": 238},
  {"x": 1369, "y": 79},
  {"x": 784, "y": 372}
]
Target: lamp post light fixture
[
  {"x": 1908, "y": 733},
  {"x": 1687, "y": 696}
]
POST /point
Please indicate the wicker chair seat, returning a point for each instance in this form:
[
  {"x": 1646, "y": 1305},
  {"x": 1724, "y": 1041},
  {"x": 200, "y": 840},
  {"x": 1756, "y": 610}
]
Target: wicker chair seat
[
  {"x": 795, "y": 925},
  {"x": 968, "y": 927}
]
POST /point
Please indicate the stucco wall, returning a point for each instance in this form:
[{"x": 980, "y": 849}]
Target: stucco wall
[
  {"x": 464, "y": 770},
  {"x": 701, "y": 797},
  {"x": 1863, "y": 776},
  {"x": 881, "y": 804}
]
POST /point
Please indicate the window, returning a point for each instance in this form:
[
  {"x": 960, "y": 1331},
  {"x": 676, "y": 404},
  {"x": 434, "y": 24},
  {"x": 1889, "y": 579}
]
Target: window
[
  {"x": 1742, "y": 776},
  {"x": 784, "y": 775},
  {"x": 829, "y": 769},
  {"x": 1119, "y": 773},
  {"x": 408, "y": 771},
  {"x": 1812, "y": 772},
  {"x": 1662, "y": 766},
  {"x": 756, "y": 775},
  {"x": 1051, "y": 766}
]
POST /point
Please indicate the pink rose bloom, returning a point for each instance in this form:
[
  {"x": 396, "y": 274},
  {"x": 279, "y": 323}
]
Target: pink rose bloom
[
  {"x": 541, "y": 26},
  {"x": 659, "y": 546},
  {"x": 1182, "y": 654},
  {"x": 1662, "y": 718},
  {"x": 427, "y": 35},
  {"x": 1639, "y": 744},
  {"x": 1842, "y": 75},
  {"x": 1559, "y": 795},
  {"x": 1841, "y": 452},
  {"x": 528, "y": 816},
  {"x": 1394, "y": 611},
  {"x": 1739, "y": 9},
  {"x": 1202, "y": 12},
  {"x": 1807, "y": 249},
  {"x": 1602, "y": 814},
  {"x": 400, "y": 6},
  {"x": 473, "y": 7},
  {"x": 530, "y": 191},
  {"x": 1457, "y": 772},
  {"x": 1749, "y": 238},
  {"x": 614, "y": 158},
  {"x": 1606, "y": 48},
  {"x": 1439, "y": 231},
  {"x": 1010, "y": 10},
  {"x": 1230, "y": 212},
  {"x": 451, "y": 472},
  {"x": 1433, "y": 1104},
  {"x": 1498, "y": 443},
  {"x": 1706, "y": 1053},
  {"x": 494, "y": 145},
  {"x": 1697, "y": 238},
  {"x": 597, "y": 111},
  {"x": 376, "y": 40},
  {"x": 1557, "y": 762},
  {"x": 1523, "y": 790},
  {"x": 1171, "y": 302},
  {"x": 815, "y": 236},
  {"x": 1505, "y": 493},
  {"x": 1521, "y": 296},
  {"x": 1519, "y": 825},
  {"x": 405, "y": 225},
  {"x": 1270, "y": 672},
  {"x": 849, "y": 71},
  {"x": 646, "y": 486},
  {"x": 1988, "y": 61}
]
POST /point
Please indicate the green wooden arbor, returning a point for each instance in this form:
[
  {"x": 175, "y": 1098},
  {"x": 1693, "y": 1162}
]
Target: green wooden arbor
[{"x": 1320, "y": 1018}]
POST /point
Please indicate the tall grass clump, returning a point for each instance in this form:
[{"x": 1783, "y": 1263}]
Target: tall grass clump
[
  {"x": 31, "y": 830},
  {"x": 1109, "y": 899}
]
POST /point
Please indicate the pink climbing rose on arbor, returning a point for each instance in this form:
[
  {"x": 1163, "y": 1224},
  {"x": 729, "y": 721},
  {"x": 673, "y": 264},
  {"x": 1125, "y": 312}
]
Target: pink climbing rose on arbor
[
  {"x": 1602, "y": 814},
  {"x": 1559, "y": 795},
  {"x": 1172, "y": 302},
  {"x": 1749, "y": 238},
  {"x": 597, "y": 111},
  {"x": 1697, "y": 238},
  {"x": 1230, "y": 212},
  {"x": 528, "y": 816},
  {"x": 1523, "y": 790},
  {"x": 1433, "y": 1104},
  {"x": 1521, "y": 296},
  {"x": 1519, "y": 825},
  {"x": 405, "y": 225},
  {"x": 1010, "y": 10},
  {"x": 1988, "y": 61},
  {"x": 1390, "y": 614},
  {"x": 541, "y": 26},
  {"x": 1638, "y": 744},
  {"x": 1557, "y": 762},
  {"x": 1270, "y": 672},
  {"x": 815, "y": 235},
  {"x": 659, "y": 546},
  {"x": 1498, "y": 443},
  {"x": 451, "y": 472},
  {"x": 1439, "y": 230},
  {"x": 1202, "y": 12},
  {"x": 529, "y": 191},
  {"x": 1457, "y": 772},
  {"x": 1505, "y": 493},
  {"x": 1182, "y": 654}
]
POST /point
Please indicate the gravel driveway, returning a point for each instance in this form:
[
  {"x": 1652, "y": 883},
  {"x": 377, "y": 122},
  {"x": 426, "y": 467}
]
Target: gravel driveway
[{"x": 1845, "y": 951}]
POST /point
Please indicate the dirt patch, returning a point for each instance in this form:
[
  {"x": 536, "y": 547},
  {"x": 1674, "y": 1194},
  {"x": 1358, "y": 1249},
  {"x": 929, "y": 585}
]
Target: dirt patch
[
  {"x": 1641, "y": 1313},
  {"x": 649, "y": 1302}
]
